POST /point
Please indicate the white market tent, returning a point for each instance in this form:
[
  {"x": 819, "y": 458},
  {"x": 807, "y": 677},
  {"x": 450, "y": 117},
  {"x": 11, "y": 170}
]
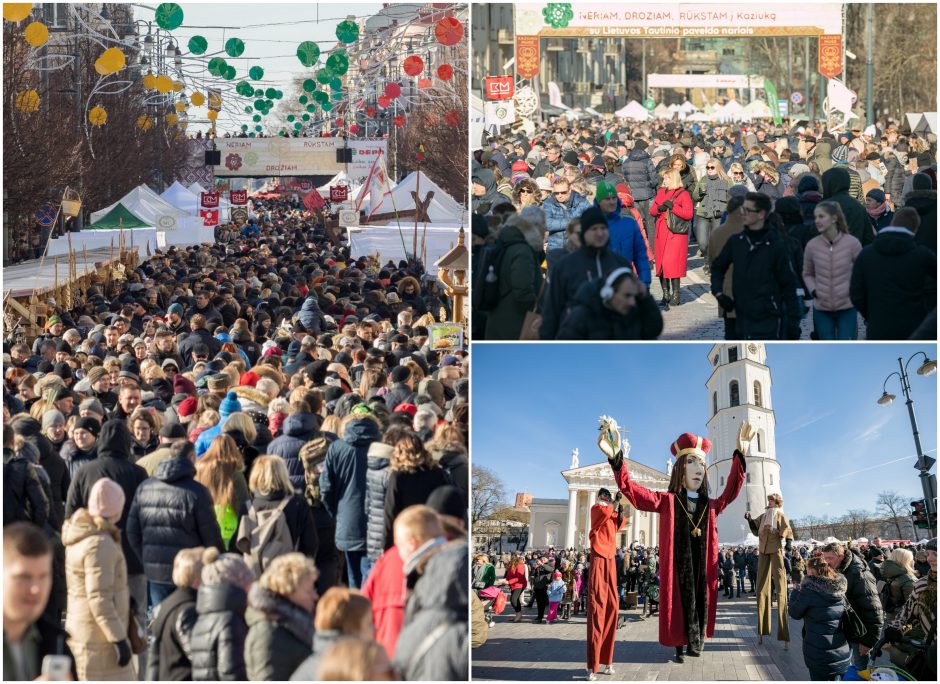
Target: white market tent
[
  {"x": 730, "y": 111},
  {"x": 698, "y": 116},
  {"x": 149, "y": 207},
  {"x": 443, "y": 209},
  {"x": 180, "y": 197},
  {"x": 662, "y": 111},
  {"x": 674, "y": 108},
  {"x": 748, "y": 540},
  {"x": 688, "y": 107},
  {"x": 339, "y": 179},
  {"x": 389, "y": 243},
  {"x": 757, "y": 108},
  {"x": 633, "y": 110}
]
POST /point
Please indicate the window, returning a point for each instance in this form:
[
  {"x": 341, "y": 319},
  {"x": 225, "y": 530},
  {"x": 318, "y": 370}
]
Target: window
[
  {"x": 771, "y": 478},
  {"x": 760, "y": 441},
  {"x": 749, "y": 478},
  {"x": 733, "y": 388},
  {"x": 758, "y": 397},
  {"x": 714, "y": 403},
  {"x": 722, "y": 481},
  {"x": 732, "y": 354},
  {"x": 727, "y": 52},
  {"x": 715, "y": 360}
]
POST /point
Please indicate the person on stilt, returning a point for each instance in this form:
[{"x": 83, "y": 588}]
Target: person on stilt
[
  {"x": 688, "y": 532},
  {"x": 774, "y": 532},
  {"x": 607, "y": 520}
]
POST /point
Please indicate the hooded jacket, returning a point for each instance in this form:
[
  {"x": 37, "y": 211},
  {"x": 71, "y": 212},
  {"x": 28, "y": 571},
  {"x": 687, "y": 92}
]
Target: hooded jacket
[
  {"x": 311, "y": 316},
  {"x": 280, "y": 636},
  {"x": 925, "y": 203},
  {"x": 171, "y": 512},
  {"x": 627, "y": 241},
  {"x": 483, "y": 204},
  {"x": 591, "y": 319},
  {"x": 168, "y": 658},
  {"x": 99, "y": 600},
  {"x": 296, "y": 431},
  {"x": 520, "y": 279},
  {"x": 76, "y": 458},
  {"x": 900, "y": 585},
  {"x": 218, "y": 639},
  {"x": 893, "y": 284},
  {"x": 640, "y": 173},
  {"x": 835, "y": 184},
  {"x": 114, "y": 448},
  {"x": 862, "y": 594},
  {"x": 376, "y": 486},
  {"x": 343, "y": 482},
  {"x": 818, "y": 602}
]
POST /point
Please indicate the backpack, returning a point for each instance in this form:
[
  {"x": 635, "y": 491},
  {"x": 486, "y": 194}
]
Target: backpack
[
  {"x": 312, "y": 454},
  {"x": 264, "y": 535},
  {"x": 486, "y": 284},
  {"x": 886, "y": 596}
]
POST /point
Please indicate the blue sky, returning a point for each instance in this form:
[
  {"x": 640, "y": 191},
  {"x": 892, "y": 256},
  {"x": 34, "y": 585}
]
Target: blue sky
[{"x": 533, "y": 404}]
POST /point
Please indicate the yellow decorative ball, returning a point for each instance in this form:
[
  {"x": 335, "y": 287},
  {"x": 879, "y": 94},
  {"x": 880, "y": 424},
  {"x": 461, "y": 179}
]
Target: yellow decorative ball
[
  {"x": 36, "y": 34},
  {"x": 198, "y": 99},
  {"x": 144, "y": 122},
  {"x": 163, "y": 84},
  {"x": 16, "y": 11},
  {"x": 111, "y": 61},
  {"x": 212, "y": 115},
  {"x": 97, "y": 116},
  {"x": 150, "y": 81},
  {"x": 27, "y": 101},
  {"x": 171, "y": 119}
]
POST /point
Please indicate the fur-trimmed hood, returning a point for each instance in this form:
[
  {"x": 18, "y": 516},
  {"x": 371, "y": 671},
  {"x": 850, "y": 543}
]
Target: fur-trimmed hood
[
  {"x": 827, "y": 587},
  {"x": 83, "y": 524},
  {"x": 249, "y": 395},
  {"x": 921, "y": 198},
  {"x": 282, "y": 612}
]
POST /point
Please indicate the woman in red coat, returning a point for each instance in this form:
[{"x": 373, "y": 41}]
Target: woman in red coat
[
  {"x": 688, "y": 533},
  {"x": 671, "y": 249}
]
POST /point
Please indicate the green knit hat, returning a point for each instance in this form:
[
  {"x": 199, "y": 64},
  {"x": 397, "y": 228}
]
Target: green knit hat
[{"x": 604, "y": 190}]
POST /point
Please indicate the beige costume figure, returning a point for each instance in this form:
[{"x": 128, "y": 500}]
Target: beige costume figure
[{"x": 773, "y": 530}]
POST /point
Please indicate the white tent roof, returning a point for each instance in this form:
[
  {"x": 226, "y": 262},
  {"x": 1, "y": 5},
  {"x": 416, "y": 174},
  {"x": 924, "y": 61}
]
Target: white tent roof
[
  {"x": 730, "y": 111},
  {"x": 443, "y": 207},
  {"x": 633, "y": 110},
  {"x": 195, "y": 188},
  {"x": 756, "y": 108},
  {"x": 688, "y": 107},
  {"x": 184, "y": 198},
  {"x": 149, "y": 206},
  {"x": 674, "y": 108},
  {"x": 662, "y": 111},
  {"x": 339, "y": 179},
  {"x": 748, "y": 540}
]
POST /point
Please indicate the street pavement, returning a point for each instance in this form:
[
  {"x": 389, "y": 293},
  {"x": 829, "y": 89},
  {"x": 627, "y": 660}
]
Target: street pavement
[{"x": 528, "y": 651}]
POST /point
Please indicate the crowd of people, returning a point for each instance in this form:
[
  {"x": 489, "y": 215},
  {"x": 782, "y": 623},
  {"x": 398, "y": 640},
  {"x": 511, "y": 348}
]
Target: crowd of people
[
  {"x": 243, "y": 461},
  {"x": 572, "y": 224}
]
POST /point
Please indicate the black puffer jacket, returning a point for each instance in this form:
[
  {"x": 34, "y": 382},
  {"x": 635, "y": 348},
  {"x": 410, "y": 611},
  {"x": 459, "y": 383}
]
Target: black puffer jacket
[
  {"x": 51, "y": 461},
  {"x": 168, "y": 658},
  {"x": 818, "y": 602},
  {"x": 862, "y": 594},
  {"x": 590, "y": 319},
  {"x": 114, "y": 448},
  {"x": 640, "y": 173},
  {"x": 894, "y": 179},
  {"x": 297, "y": 430},
  {"x": 280, "y": 637},
  {"x": 75, "y": 458},
  {"x": 171, "y": 512},
  {"x": 376, "y": 486},
  {"x": 218, "y": 639}
]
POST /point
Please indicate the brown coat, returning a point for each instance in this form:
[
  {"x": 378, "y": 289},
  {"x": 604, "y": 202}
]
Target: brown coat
[
  {"x": 98, "y": 597},
  {"x": 770, "y": 541},
  {"x": 716, "y": 242}
]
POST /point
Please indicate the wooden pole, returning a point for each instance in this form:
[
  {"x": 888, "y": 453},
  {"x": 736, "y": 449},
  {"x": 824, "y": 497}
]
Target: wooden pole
[{"x": 414, "y": 241}]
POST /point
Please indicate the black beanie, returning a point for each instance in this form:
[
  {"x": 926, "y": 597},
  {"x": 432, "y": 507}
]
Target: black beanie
[
  {"x": 90, "y": 424},
  {"x": 591, "y": 217}
]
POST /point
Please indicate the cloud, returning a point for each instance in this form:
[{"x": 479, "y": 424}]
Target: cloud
[
  {"x": 806, "y": 421},
  {"x": 874, "y": 430}
]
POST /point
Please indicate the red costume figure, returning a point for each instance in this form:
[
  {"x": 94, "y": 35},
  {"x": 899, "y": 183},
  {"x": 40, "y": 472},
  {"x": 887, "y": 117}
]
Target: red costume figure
[
  {"x": 604, "y": 603},
  {"x": 688, "y": 533}
]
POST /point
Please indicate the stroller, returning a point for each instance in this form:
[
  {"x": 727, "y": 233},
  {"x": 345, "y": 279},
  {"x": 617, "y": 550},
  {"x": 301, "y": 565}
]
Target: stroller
[{"x": 494, "y": 603}]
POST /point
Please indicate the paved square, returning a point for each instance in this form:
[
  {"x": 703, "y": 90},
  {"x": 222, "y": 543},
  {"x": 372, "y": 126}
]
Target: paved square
[{"x": 527, "y": 651}]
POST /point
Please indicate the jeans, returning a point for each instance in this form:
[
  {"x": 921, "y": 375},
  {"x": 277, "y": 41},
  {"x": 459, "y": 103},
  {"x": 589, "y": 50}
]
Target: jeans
[
  {"x": 703, "y": 231},
  {"x": 861, "y": 662},
  {"x": 158, "y": 591},
  {"x": 649, "y": 224},
  {"x": 740, "y": 576},
  {"x": 357, "y": 568},
  {"x": 836, "y": 325}
]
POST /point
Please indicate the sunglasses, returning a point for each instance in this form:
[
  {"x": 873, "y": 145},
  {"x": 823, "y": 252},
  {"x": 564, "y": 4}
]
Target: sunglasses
[
  {"x": 525, "y": 191},
  {"x": 560, "y": 194},
  {"x": 709, "y": 168}
]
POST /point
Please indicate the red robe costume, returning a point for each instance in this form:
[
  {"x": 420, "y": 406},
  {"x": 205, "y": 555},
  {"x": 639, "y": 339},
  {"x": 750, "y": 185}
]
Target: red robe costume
[
  {"x": 603, "y": 602},
  {"x": 672, "y": 630}
]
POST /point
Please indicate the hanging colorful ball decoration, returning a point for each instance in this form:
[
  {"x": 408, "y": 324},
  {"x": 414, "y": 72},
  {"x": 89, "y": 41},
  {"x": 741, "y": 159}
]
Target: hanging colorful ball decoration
[
  {"x": 163, "y": 84},
  {"x": 336, "y": 83},
  {"x": 97, "y": 116},
  {"x": 150, "y": 81},
  {"x": 308, "y": 53},
  {"x": 338, "y": 63},
  {"x": 311, "y": 108},
  {"x": 256, "y": 73},
  {"x": 384, "y": 101},
  {"x": 424, "y": 83},
  {"x": 228, "y": 73},
  {"x": 353, "y": 129},
  {"x": 198, "y": 45},
  {"x": 111, "y": 61},
  {"x": 212, "y": 115},
  {"x": 347, "y": 31},
  {"x": 36, "y": 34},
  {"x": 413, "y": 65},
  {"x": 448, "y": 31},
  {"x": 27, "y": 101},
  {"x": 392, "y": 90},
  {"x": 445, "y": 72},
  {"x": 327, "y": 106},
  {"x": 181, "y": 107},
  {"x": 16, "y": 11},
  {"x": 324, "y": 76},
  {"x": 399, "y": 120},
  {"x": 171, "y": 119},
  {"x": 370, "y": 111},
  {"x": 337, "y": 95},
  {"x": 144, "y": 122},
  {"x": 302, "y": 99},
  {"x": 234, "y": 47},
  {"x": 244, "y": 89},
  {"x": 452, "y": 118},
  {"x": 169, "y": 16},
  {"x": 198, "y": 99},
  {"x": 217, "y": 66},
  {"x": 310, "y": 85}
]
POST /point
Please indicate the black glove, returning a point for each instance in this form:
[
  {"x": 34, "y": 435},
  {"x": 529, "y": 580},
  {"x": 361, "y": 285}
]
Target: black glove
[
  {"x": 788, "y": 545},
  {"x": 123, "y": 649},
  {"x": 725, "y": 302},
  {"x": 667, "y": 204},
  {"x": 617, "y": 461},
  {"x": 893, "y": 635}
]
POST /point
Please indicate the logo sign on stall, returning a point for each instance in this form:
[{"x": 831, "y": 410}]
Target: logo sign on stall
[
  {"x": 238, "y": 197},
  {"x": 240, "y": 215},
  {"x": 210, "y": 200},
  {"x": 45, "y": 215},
  {"x": 338, "y": 193},
  {"x": 830, "y": 56},
  {"x": 527, "y": 56},
  {"x": 499, "y": 88},
  {"x": 348, "y": 218},
  {"x": 796, "y": 97},
  {"x": 784, "y": 106},
  {"x": 649, "y": 103},
  {"x": 210, "y": 217}
]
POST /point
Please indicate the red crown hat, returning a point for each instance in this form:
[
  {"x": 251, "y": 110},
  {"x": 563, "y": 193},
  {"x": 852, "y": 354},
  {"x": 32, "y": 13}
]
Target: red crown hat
[
  {"x": 687, "y": 443},
  {"x": 520, "y": 166}
]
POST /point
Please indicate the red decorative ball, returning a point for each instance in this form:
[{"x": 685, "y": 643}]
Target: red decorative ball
[
  {"x": 448, "y": 31},
  {"x": 413, "y": 65},
  {"x": 452, "y": 118},
  {"x": 370, "y": 111},
  {"x": 392, "y": 90},
  {"x": 384, "y": 101},
  {"x": 424, "y": 83},
  {"x": 399, "y": 120},
  {"x": 445, "y": 72}
]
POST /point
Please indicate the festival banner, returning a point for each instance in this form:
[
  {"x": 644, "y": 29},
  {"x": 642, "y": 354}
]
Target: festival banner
[
  {"x": 210, "y": 217},
  {"x": 263, "y": 157},
  {"x": 500, "y": 113},
  {"x": 527, "y": 56},
  {"x": 339, "y": 193},
  {"x": 313, "y": 201},
  {"x": 830, "y": 56},
  {"x": 770, "y": 91},
  {"x": 209, "y": 200},
  {"x": 376, "y": 185},
  {"x": 238, "y": 197},
  {"x": 499, "y": 87}
]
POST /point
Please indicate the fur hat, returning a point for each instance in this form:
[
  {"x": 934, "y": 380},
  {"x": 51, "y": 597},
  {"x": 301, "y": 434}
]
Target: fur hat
[{"x": 106, "y": 500}]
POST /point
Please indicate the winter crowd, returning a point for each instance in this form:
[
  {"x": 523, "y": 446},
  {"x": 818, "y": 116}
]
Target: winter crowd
[
  {"x": 572, "y": 225},
  {"x": 240, "y": 462}
]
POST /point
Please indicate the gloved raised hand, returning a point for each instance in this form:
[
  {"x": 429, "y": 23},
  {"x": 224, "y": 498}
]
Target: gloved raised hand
[
  {"x": 893, "y": 635},
  {"x": 123, "y": 650},
  {"x": 666, "y": 204},
  {"x": 610, "y": 443},
  {"x": 746, "y": 435}
]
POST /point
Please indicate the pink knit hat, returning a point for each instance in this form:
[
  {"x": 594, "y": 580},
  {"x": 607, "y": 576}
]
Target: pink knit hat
[{"x": 106, "y": 500}]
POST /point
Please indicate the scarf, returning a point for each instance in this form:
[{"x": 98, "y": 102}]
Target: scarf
[
  {"x": 877, "y": 211},
  {"x": 771, "y": 520}
]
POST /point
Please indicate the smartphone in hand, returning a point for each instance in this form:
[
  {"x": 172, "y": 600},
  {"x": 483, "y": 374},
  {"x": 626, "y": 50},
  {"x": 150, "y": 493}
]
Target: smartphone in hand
[{"x": 57, "y": 668}]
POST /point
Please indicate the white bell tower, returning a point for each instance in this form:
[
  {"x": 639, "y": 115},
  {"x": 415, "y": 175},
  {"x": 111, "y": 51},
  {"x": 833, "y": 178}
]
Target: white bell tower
[{"x": 739, "y": 391}]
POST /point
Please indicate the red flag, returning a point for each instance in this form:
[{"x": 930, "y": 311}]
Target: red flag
[
  {"x": 210, "y": 217},
  {"x": 210, "y": 200},
  {"x": 313, "y": 201},
  {"x": 339, "y": 193},
  {"x": 238, "y": 197}
]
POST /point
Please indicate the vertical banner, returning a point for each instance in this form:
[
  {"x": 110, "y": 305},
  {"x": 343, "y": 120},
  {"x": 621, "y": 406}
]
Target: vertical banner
[
  {"x": 499, "y": 87},
  {"x": 238, "y": 197},
  {"x": 830, "y": 55},
  {"x": 209, "y": 200},
  {"x": 527, "y": 56},
  {"x": 770, "y": 92},
  {"x": 210, "y": 217}
]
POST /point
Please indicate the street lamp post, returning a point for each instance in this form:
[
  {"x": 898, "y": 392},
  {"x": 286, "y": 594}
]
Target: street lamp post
[{"x": 928, "y": 367}]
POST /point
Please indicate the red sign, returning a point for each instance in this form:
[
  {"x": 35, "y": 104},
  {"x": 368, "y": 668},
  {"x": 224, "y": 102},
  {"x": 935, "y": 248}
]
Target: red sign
[
  {"x": 210, "y": 200},
  {"x": 238, "y": 197},
  {"x": 339, "y": 193},
  {"x": 210, "y": 217},
  {"x": 313, "y": 201},
  {"x": 499, "y": 87},
  {"x": 527, "y": 56},
  {"x": 830, "y": 55}
]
